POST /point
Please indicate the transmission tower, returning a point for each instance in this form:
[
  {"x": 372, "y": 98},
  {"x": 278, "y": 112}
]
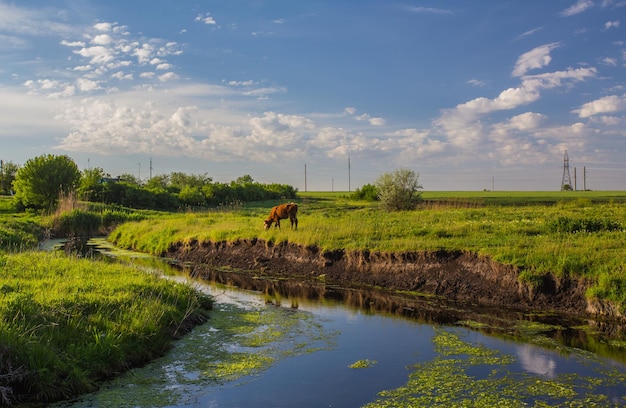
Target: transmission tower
[{"x": 566, "y": 182}]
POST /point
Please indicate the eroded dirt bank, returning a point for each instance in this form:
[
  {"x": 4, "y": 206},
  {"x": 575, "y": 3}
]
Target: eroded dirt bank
[{"x": 455, "y": 275}]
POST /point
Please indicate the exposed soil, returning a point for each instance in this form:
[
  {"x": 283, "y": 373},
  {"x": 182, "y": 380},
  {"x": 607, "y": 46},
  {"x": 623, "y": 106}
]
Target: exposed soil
[{"x": 454, "y": 275}]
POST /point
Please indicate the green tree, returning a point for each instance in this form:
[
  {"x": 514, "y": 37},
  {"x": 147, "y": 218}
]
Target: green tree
[
  {"x": 7, "y": 176},
  {"x": 91, "y": 187},
  {"x": 40, "y": 182},
  {"x": 191, "y": 196},
  {"x": 399, "y": 190}
]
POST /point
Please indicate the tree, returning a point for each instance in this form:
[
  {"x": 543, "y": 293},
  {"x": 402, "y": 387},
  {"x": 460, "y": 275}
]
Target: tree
[
  {"x": 8, "y": 170},
  {"x": 91, "y": 186},
  {"x": 40, "y": 182},
  {"x": 399, "y": 190}
]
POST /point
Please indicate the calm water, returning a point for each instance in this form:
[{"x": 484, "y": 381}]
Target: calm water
[{"x": 309, "y": 336}]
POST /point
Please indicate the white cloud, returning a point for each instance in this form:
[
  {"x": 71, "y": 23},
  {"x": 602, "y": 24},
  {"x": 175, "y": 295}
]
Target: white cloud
[
  {"x": 611, "y": 24},
  {"x": 32, "y": 21},
  {"x": 610, "y": 61},
  {"x": 538, "y": 57},
  {"x": 607, "y": 104},
  {"x": 206, "y": 19},
  {"x": 477, "y": 82},
  {"x": 529, "y": 32},
  {"x": 86, "y": 85},
  {"x": 429, "y": 10},
  {"x": 168, "y": 76},
  {"x": 98, "y": 54},
  {"x": 102, "y": 39},
  {"x": 577, "y": 8},
  {"x": 104, "y": 26},
  {"x": 73, "y": 43},
  {"x": 462, "y": 125},
  {"x": 122, "y": 76},
  {"x": 241, "y": 83}
]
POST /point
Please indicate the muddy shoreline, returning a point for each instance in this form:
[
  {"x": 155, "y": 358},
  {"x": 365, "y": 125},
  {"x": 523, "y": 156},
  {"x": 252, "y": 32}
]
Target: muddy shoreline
[{"x": 454, "y": 275}]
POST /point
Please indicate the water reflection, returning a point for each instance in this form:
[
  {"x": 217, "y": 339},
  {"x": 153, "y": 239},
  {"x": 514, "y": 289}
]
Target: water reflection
[
  {"x": 537, "y": 361},
  {"x": 310, "y": 333}
]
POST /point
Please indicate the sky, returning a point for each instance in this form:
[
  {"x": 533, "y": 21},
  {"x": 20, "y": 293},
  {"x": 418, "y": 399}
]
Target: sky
[{"x": 323, "y": 95}]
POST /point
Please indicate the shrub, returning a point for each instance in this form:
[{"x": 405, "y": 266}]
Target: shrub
[
  {"x": 367, "y": 192},
  {"x": 399, "y": 190},
  {"x": 571, "y": 225}
]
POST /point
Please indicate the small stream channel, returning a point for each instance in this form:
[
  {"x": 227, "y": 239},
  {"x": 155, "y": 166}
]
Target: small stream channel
[{"x": 277, "y": 343}]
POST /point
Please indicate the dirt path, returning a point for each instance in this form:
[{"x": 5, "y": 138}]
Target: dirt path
[{"x": 455, "y": 275}]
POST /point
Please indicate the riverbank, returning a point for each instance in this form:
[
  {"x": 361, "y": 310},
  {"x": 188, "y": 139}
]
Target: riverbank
[
  {"x": 453, "y": 275},
  {"x": 67, "y": 323}
]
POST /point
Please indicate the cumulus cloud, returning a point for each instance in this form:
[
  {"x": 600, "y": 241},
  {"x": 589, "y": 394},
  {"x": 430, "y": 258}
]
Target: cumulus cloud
[
  {"x": 577, "y": 8},
  {"x": 607, "y": 104},
  {"x": 538, "y": 57},
  {"x": 462, "y": 124},
  {"x": 611, "y": 24}
]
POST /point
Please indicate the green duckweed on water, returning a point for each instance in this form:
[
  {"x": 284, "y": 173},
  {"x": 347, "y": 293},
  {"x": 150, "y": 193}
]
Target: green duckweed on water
[
  {"x": 363, "y": 363},
  {"x": 448, "y": 381},
  {"x": 236, "y": 344}
]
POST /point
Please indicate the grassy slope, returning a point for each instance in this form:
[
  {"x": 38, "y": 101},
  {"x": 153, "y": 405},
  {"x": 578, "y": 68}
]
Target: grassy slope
[
  {"x": 520, "y": 229},
  {"x": 66, "y": 323}
]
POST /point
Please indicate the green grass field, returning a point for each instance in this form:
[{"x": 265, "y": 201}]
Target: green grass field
[{"x": 566, "y": 233}]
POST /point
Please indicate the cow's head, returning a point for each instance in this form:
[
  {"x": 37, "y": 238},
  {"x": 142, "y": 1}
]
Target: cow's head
[{"x": 267, "y": 224}]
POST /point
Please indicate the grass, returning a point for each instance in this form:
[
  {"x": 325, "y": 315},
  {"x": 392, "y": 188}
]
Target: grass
[
  {"x": 66, "y": 324},
  {"x": 579, "y": 234}
]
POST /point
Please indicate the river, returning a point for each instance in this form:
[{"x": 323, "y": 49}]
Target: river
[{"x": 272, "y": 343}]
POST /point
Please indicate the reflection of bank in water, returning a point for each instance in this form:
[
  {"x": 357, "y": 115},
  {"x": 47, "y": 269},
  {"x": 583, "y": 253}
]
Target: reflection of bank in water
[{"x": 604, "y": 338}]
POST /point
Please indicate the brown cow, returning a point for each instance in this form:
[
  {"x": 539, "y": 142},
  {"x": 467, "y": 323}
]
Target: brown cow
[{"x": 281, "y": 212}]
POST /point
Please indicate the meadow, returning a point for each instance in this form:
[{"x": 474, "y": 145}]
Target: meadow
[{"x": 579, "y": 234}]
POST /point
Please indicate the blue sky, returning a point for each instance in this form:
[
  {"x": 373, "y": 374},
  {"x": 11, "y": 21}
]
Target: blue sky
[{"x": 471, "y": 95}]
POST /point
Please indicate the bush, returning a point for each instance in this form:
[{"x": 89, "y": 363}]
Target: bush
[
  {"x": 399, "y": 190},
  {"x": 367, "y": 192},
  {"x": 571, "y": 225}
]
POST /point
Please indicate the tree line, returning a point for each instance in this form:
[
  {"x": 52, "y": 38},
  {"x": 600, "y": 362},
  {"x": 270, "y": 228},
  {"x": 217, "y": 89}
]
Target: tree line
[{"x": 40, "y": 182}]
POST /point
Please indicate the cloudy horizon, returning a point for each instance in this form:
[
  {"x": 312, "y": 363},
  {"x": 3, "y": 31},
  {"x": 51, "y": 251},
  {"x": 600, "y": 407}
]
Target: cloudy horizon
[{"x": 469, "y": 96}]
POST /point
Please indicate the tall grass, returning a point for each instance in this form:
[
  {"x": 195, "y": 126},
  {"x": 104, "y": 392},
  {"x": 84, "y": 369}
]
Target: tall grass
[
  {"x": 66, "y": 324},
  {"x": 575, "y": 237}
]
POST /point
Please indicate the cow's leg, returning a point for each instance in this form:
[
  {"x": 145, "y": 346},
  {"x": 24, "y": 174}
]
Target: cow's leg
[
  {"x": 277, "y": 223},
  {"x": 294, "y": 222}
]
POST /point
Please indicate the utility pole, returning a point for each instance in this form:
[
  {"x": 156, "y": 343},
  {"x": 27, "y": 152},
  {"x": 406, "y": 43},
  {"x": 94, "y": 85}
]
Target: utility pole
[
  {"x": 139, "y": 175},
  {"x": 349, "y": 189},
  {"x": 150, "y": 168},
  {"x": 575, "y": 179},
  {"x": 584, "y": 178},
  {"x": 2, "y": 176},
  {"x": 305, "y": 177}
]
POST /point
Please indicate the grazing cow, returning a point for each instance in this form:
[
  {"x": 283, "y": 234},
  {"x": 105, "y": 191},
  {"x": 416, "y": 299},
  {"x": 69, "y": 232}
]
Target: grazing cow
[{"x": 281, "y": 212}]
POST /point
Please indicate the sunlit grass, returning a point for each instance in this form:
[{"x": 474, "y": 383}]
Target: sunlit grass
[
  {"x": 70, "y": 323},
  {"x": 527, "y": 236}
]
